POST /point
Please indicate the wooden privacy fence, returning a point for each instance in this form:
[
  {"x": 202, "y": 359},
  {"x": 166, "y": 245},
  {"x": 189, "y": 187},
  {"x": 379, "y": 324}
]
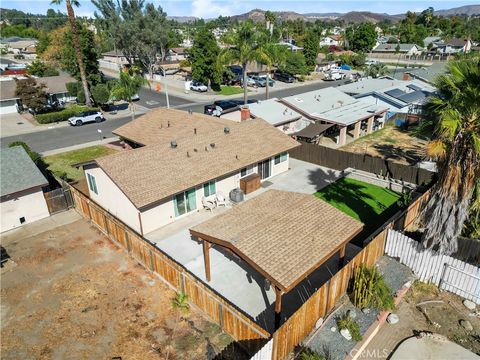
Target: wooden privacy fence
[
  {"x": 220, "y": 310},
  {"x": 340, "y": 160},
  {"x": 58, "y": 200}
]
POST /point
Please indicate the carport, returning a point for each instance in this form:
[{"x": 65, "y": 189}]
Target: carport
[{"x": 284, "y": 236}]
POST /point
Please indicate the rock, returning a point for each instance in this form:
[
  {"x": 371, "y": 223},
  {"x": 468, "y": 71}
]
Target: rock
[
  {"x": 467, "y": 325},
  {"x": 393, "y": 318},
  {"x": 352, "y": 314},
  {"x": 346, "y": 334},
  {"x": 366, "y": 311},
  {"x": 333, "y": 329},
  {"x": 470, "y": 305},
  {"x": 319, "y": 323}
]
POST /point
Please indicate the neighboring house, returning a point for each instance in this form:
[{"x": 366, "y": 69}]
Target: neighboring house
[
  {"x": 343, "y": 112},
  {"x": 181, "y": 158},
  {"x": 275, "y": 113},
  {"x": 427, "y": 74},
  {"x": 176, "y": 54},
  {"x": 291, "y": 47},
  {"x": 431, "y": 40},
  {"x": 452, "y": 46},
  {"x": 401, "y": 97},
  {"x": 22, "y": 199},
  {"x": 404, "y": 49},
  {"x": 331, "y": 40},
  {"x": 55, "y": 87},
  {"x": 116, "y": 57},
  {"x": 17, "y": 45}
]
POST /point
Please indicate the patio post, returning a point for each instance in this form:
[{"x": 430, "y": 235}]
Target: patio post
[
  {"x": 278, "y": 306},
  {"x": 206, "y": 258},
  {"x": 341, "y": 260}
]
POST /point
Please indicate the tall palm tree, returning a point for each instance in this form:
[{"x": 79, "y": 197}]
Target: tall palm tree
[
  {"x": 127, "y": 86},
  {"x": 244, "y": 45},
  {"x": 76, "y": 42},
  {"x": 455, "y": 118},
  {"x": 272, "y": 55}
]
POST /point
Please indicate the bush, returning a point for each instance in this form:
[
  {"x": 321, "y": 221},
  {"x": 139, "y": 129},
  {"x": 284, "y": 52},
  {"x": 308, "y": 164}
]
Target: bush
[
  {"x": 309, "y": 354},
  {"x": 62, "y": 115},
  {"x": 346, "y": 322},
  {"x": 101, "y": 94},
  {"x": 72, "y": 88},
  {"x": 370, "y": 289}
]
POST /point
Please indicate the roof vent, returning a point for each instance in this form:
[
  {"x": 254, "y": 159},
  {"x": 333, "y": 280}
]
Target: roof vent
[
  {"x": 195, "y": 131},
  {"x": 236, "y": 157},
  {"x": 173, "y": 144},
  {"x": 190, "y": 111},
  {"x": 206, "y": 148},
  {"x": 212, "y": 145},
  {"x": 188, "y": 154},
  {"x": 298, "y": 100},
  {"x": 226, "y": 130},
  {"x": 168, "y": 123}
]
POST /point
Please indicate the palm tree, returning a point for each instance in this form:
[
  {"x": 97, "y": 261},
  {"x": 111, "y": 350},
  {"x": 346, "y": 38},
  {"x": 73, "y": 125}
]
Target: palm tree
[
  {"x": 272, "y": 55},
  {"x": 76, "y": 42},
  {"x": 127, "y": 87},
  {"x": 244, "y": 45},
  {"x": 455, "y": 118},
  {"x": 377, "y": 70},
  {"x": 179, "y": 303},
  {"x": 269, "y": 20}
]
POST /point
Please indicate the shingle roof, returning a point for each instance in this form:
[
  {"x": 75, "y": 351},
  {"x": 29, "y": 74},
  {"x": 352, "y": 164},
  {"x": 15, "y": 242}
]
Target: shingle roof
[
  {"x": 54, "y": 85},
  {"x": 393, "y": 47},
  {"x": 18, "y": 172},
  {"x": 154, "y": 172},
  {"x": 285, "y": 235}
]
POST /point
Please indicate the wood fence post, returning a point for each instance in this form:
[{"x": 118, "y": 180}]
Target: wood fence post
[
  {"x": 127, "y": 240},
  {"x": 151, "y": 260},
  {"x": 220, "y": 315}
]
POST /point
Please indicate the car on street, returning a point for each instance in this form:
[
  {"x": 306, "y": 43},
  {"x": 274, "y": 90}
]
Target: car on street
[
  {"x": 251, "y": 82},
  {"x": 262, "y": 81},
  {"x": 284, "y": 77},
  {"x": 87, "y": 116},
  {"x": 198, "y": 86},
  {"x": 220, "y": 106}
]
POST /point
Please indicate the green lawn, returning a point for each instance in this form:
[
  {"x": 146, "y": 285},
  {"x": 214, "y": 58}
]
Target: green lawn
[
  {"x": 230, "y": 90},
  {"x": 371, "y": 204},
  {"x": 61, "y": 164}
]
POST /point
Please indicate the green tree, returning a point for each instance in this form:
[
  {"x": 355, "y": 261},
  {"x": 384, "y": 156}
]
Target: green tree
[
  {"x": 101, "y": 94},
  {"x": 31, "y": 94},
  {"x": 455, "y": 118},
  {"x": 295, "y": 64},
  {"x": 273, "y": 55},
  {"x": 377, "y": 70},
  {"x": 41, "y": 69},
  {"x": 311, "y": 48},
  {"x": 76, "y": 43},
  {"x": 203, "y": 58},
  {"x": 126, "y": 87},
  {"x": 245, "y": 45},
  {"x": 361, "y": 37}
]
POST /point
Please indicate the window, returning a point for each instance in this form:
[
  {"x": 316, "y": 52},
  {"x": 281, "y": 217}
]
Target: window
[
  {"x": 92, "y": 185},
  {"x": 209, "y": 188},
  {"x": 280, "y": 158},
  {"x": 185, "y": 202},
  {"x": 246, "y": 171}
]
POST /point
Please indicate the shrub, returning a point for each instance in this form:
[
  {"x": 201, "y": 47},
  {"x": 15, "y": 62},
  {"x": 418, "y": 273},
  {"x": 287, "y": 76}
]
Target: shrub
[
  {"x": 101, "y": 94},
  {"x": 346, "y": 322},
  {"x": 61, "y": 115},
  {"x": 72, "y": 88},
  {"x": 370, "y": 289},
  {"x": 309, "y": 354}
]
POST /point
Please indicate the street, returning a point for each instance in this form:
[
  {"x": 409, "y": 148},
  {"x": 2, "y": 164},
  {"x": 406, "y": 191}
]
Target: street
[{"x": 62, "y": 137}]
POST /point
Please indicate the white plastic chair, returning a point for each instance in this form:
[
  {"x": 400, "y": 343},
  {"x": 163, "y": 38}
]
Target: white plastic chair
[
  {"x": 220, "y": 199},
  {"x": 207, "y": 204}
]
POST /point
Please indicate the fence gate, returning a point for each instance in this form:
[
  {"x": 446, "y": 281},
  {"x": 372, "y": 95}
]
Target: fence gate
[
  {"x": 461, "y": 282},
  {"x": 58, "y": 200}
]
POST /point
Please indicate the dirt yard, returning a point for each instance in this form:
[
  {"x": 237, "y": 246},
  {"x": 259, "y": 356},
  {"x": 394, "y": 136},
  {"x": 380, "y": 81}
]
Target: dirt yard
[
  {"x": 69, "y": 293},
  {"x": 390, "y": 143},
  {"x": 442, "y": 317}
]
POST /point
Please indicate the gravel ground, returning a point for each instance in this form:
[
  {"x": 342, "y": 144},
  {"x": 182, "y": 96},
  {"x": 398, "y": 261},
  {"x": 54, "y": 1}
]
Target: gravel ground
[{"x": 333, "y": 345}]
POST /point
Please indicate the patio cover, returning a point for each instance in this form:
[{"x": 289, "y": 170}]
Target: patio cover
[
  {"x": 313, "y": 130},
  {"x": 284, "y": 235}
]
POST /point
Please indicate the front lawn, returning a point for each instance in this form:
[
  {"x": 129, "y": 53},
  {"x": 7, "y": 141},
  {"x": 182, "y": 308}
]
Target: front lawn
[
  {"x": 230, "y": 90},
  {"x": 370, "y": 204},
  {"x": 61, "y": 164}
]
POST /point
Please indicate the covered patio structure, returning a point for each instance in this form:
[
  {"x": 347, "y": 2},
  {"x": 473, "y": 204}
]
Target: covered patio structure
[{"x": 284, "y": 236}]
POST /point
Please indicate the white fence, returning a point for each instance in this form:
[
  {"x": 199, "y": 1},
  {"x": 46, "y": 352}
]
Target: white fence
[
  {"x": 444, "y": 271},
  {"x": 265, "y": 353}
]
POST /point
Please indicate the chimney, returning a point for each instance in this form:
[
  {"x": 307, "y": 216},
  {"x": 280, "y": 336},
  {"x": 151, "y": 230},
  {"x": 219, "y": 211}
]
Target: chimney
[
  {"x": 244, "y": 113},
  {"x": 406, "y": 76}
]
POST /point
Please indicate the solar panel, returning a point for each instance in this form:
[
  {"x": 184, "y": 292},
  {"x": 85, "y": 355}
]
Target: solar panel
[
  {"x": 396, "y": 93},
  {"x": 414, "y": 87},
  {"x": 412, "y": 97}
]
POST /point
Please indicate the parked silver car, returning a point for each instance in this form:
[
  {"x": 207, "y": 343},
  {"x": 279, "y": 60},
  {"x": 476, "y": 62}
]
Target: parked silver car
[{"x": 86, "y": 117}]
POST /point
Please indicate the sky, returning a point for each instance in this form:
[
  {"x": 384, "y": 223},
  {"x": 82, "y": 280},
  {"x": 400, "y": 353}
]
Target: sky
[{"x": 214, "y": 8}]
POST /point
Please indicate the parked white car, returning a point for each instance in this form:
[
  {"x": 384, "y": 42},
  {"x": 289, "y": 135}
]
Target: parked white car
[
  {"x": 86, "y": 117},
  {"x": 198, "y": 86}
]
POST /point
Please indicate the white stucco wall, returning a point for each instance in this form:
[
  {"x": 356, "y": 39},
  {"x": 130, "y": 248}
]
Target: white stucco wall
[
  {"x": 158, "y": 216},
  {"x": 111, "y": 198},
  {"x": 281, "y": 167},
  {"x": 29, "y": 204}
]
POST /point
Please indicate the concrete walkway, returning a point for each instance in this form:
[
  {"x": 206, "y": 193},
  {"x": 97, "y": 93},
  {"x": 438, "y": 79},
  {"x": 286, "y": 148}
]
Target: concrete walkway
[{"x": 79, "y": 146}]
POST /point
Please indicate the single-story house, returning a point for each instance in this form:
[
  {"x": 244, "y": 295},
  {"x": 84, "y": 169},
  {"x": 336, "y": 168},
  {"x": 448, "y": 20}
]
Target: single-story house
[
  {"x": 21, "y": 185},
  {"x": 401, "y": 97},
  {"x": 431, "y": 40},
  {"x": 332, "y": 106},
  {"x": 17, "y": 45},
  {"x": 452, "y": 46},
  {"x": 275, "y": 113},
  {"x": 55, "y": 87},
  {"x": 331, "y": 40},
  {"x": 115, "y": 56},
  {"x": 427, "y": 74},
  {"x": 291, "y": 47},
  {"x": 176, "y": 54},
  {"x": 404, "y": 49},
  {"x": 181, "y": 157}
]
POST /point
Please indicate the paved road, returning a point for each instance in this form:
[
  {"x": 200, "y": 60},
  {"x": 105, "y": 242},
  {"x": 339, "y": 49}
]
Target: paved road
[{"x": 68, "y": 136}]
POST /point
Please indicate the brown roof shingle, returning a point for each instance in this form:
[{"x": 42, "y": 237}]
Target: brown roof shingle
[
  {"x": 154, "y": 172},
  {"x": 286, "y": 235}
]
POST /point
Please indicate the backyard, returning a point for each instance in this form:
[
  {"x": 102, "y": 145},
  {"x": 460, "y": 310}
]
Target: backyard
[
  {"x": 68, "y": 292},
  {"x": 391, "y": 143},
  {"x": 371, "y": 204},
  {"x": 61, "y": 164}
]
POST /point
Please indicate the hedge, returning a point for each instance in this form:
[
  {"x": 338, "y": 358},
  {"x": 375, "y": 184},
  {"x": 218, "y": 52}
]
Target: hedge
[{"x": 61, "y": 115}]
